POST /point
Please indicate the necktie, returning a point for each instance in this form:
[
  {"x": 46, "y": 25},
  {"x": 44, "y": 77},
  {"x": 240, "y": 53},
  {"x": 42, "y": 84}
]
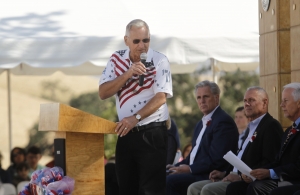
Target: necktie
[
  {"x": 288, "y": 136},
  {"x": 244, "y": 138}
]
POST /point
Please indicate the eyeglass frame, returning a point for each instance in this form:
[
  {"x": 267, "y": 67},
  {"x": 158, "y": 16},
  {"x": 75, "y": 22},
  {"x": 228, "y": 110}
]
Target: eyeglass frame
[{"x": 137, "y": 41}]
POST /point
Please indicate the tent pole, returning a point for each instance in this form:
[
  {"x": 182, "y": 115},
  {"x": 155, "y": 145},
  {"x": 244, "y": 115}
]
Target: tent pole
[
  {"x": 213, "y": 63},
  {"x": 212, "y": 66},
  {"x": 9, "y": 110}
]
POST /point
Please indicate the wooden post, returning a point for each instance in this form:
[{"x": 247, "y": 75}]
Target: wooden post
[{"x": 84, "y": 138}]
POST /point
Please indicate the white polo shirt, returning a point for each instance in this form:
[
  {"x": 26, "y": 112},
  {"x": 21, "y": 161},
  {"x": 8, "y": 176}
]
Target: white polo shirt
[{"x": 132, "y": 97}]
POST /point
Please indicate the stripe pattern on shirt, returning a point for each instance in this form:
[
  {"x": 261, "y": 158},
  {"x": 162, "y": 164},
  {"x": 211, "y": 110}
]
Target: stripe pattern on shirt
[{"x": 132, "y": 88}]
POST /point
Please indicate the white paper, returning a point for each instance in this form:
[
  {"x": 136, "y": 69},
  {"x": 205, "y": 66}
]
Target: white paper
[{"x": 237, "y": 163}]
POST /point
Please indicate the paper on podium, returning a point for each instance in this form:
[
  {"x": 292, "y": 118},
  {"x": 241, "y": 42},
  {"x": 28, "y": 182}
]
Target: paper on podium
[{"x": 237, "y": 163}]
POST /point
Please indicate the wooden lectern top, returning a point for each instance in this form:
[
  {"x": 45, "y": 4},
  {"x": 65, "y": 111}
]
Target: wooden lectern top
[{"x": 64, "y": 118}]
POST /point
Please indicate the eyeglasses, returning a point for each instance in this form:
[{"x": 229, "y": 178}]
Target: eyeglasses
[{"x": 137, "y": 41}]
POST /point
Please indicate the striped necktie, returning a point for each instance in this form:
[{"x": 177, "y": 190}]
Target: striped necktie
[{"x": 288, "y": 136}]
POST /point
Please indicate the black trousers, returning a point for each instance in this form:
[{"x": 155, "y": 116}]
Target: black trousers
[
  {"x": 111, "y": 183},
  {"x": 141, "y": 162},
  {"x": 262, "y": 187},
  {"x": 286, "y": 190}
]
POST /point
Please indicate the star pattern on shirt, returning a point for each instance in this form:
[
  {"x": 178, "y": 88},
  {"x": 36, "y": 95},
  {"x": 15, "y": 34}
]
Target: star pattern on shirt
[
  {"x": 121, "y": 52},
  {"x": 135, "y": 105},
  {"x": 148, "y": 64},
  {"x": 118, "y": 65},
  {"x": 157, "y": 120}
]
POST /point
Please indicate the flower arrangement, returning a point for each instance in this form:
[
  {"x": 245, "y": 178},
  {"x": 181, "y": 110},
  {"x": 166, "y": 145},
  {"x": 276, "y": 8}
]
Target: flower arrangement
[{"x": 253, "y": 136}]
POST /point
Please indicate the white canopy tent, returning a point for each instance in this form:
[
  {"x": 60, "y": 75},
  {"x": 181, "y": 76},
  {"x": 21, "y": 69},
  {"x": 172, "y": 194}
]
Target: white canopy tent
[
  {"x": 78, "y": 37},
  {"x": 39, "y": 37}
]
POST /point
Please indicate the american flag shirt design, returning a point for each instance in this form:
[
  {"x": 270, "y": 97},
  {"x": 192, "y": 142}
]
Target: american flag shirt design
[{"x": 132, "y": 97}]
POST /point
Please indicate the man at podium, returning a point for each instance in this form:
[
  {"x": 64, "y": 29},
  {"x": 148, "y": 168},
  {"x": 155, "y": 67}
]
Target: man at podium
[{"x": 140, "y": 79}]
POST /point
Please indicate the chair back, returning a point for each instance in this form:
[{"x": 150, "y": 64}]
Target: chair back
[
  {"x": 9, "y": 189},
  {"x": 21, "y": 185},
  {"x": 1, "y": 190}
]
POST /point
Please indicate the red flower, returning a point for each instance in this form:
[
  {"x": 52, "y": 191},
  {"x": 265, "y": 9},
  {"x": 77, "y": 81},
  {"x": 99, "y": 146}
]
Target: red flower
[
  {"x": 253, "y": 136},
  {"x": 293, "y": 131},
  {"x": 208, "y": 123}
]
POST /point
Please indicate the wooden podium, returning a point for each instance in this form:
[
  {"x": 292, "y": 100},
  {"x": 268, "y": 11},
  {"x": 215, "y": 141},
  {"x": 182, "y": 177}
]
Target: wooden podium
[{"x": 84, "y": 144}]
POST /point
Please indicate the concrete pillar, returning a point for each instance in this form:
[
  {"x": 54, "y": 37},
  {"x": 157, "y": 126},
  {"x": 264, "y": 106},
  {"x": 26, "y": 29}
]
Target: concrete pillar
[
  {"x": 295, "y": 40},
  {"x": 275, "y": 52}
]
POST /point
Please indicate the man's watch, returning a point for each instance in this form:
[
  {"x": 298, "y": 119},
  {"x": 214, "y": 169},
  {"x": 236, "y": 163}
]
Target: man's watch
[{"x": 138, "y": 117}]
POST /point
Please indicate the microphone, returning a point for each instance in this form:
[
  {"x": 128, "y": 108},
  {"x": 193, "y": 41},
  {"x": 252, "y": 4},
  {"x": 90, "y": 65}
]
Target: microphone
[{"x": 143, "y": 57}]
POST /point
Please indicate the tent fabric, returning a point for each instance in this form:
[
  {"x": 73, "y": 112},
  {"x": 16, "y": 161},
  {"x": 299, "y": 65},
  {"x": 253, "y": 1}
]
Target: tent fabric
[{"x": 78, "y": 37}]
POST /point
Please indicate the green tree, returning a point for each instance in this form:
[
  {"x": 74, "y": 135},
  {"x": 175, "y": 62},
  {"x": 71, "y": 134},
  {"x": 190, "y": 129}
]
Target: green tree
[
  {"x": 233, "y": 86},
  {"x": 183, "y": 107},
  {"x": 40, "y": 139},
  {"x": 55, "y": 91}
]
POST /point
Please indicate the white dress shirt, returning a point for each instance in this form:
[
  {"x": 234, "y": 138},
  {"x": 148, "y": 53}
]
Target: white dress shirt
[
  {"x": 205, "y": 119},
  {"x": 252, "y": 128}
]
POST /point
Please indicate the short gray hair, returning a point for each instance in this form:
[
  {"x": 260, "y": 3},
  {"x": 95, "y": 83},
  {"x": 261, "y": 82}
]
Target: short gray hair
[
  {"x": 137, "y": 23},
  {"x": 259, "y": 90},
  {"x": 296, "y": 92},
  {"x": 214, "y": 88}
]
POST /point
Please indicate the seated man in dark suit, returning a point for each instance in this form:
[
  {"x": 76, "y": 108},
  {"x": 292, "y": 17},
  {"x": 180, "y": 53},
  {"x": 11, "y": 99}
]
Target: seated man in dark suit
[
  {"x": 214, "y": 136},
  {"x": 286, "y": 168},
  {"x": 255, "y": 151}
]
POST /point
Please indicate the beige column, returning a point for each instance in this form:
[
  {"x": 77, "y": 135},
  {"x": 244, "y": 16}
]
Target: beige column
[
  {"x": 295, "y": 40},
  {"x": 274, "y": 50}
]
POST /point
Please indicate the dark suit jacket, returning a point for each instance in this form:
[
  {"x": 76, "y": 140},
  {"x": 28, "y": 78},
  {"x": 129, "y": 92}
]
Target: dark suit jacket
[
  {"x": 5, "y": 177},
  {"x": 287, "y": 163},
  {"x": 265, "y": 146},
  {"x": 219, "y": 137}
]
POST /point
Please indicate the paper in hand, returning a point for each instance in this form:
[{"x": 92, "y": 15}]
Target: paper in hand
[{"x": 237, "y": 163}]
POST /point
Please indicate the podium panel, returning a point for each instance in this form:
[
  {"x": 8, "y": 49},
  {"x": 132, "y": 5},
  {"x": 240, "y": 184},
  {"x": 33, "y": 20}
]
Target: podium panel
[
  {"x": 85, "y": 162},
  {"x": 84, "y": 144}
]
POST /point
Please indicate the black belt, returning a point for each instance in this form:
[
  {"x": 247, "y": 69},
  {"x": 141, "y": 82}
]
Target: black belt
[{"x": 149, "y": 126}]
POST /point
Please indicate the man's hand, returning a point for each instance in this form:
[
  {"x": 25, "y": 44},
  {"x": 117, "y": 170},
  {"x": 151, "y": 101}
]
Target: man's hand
[
  {"x": 180, "y": 169},
  {"x": 247, "y": 179},
  {"x": 216, "y": 175},
  {"x": 260, "y": 173},
  {"x": 169, "y": 166},
  {"x": 232, "y": 178},
  {"x": 125, "y": 125},
  {"x": 137, "y": 68}
]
